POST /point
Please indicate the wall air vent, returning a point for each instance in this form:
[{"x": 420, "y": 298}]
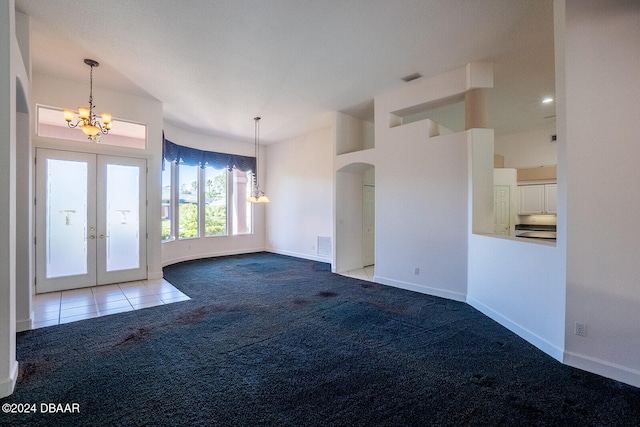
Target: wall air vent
[
  {"x": 324, "y": 246},
  {"x": 411, "y": 77}
]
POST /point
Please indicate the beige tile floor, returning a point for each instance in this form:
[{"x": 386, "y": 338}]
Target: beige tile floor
[
  {"x": 56, "y": 308},
  {"x": 366, "y": 273}
]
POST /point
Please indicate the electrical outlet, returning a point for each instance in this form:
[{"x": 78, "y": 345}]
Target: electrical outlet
[
  {"x": 580, "y": 329},
  {"x": 416, "y": 271}
]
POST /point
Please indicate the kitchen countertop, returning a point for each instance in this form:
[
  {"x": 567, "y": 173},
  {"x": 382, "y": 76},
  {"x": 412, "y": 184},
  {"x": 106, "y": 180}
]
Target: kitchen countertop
[
  {"x": 536, "y": 227},
  {"x": 549, "y": 235}
]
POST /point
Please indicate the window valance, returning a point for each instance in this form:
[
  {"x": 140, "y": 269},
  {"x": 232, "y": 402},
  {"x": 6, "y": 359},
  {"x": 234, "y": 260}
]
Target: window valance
[{"x": 173, "y": 152}]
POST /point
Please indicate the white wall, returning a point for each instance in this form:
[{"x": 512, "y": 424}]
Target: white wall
[
  {"x": 424, "y": 203},
  {"x": 602, "y": 99},
  {"x": 422, "y": 210},
  {"x": 528, "y": 149},
  {"x": 300, "y": 185},
  {"x": 521, "y": 286},
  {"x": 182, "y": 250},
  {"x": 353, "y": 134}
]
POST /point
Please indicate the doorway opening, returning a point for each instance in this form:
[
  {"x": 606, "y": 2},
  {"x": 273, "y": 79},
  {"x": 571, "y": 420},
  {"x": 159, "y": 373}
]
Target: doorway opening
[{"x": 355, "y": 221}]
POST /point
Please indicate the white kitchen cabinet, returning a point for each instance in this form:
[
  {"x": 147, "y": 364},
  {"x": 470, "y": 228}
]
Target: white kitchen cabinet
[
  {"x": 538, "y": 199},
  {"x": 551, "y": 198}
]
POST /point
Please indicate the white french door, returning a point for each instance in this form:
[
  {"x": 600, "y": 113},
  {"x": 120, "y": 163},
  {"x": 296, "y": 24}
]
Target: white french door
[{"x": 91, "y": 220}]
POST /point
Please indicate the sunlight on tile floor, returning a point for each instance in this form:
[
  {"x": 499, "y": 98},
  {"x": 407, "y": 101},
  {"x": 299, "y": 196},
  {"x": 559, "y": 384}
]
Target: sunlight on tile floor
[
  {"x": 366, "y": 273},
  {"x": 56, "y": 308}
]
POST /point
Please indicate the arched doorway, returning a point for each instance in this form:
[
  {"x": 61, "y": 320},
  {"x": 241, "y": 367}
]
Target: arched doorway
[{"x": 355, "y": 217}]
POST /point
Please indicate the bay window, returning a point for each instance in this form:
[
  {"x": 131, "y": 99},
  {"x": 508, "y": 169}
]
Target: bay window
[
  {"x": 204, "y": 193},
  {"x": 188, "y": 201},
  {"x": 215, "y": 210}
]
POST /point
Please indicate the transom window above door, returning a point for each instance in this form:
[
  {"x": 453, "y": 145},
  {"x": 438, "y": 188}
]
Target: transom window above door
[{"x": 51, "y": 124}]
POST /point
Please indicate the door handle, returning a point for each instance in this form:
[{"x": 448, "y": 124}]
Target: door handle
[
  {"x": 102, "y": 236},
  {"x": 92, "y": 237}
]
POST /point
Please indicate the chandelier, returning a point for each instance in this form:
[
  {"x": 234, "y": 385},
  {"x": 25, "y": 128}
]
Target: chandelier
[
  {"x": 87, "y": 120},
  {"x": 257, "y": 195}
]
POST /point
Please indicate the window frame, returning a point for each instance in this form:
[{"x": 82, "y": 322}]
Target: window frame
[
  {"x": 198, "y": 201},
  {"x": 203, "y": 196},
  {"x": 231, "y": 208},
  {"x": 173, "y": 176}
]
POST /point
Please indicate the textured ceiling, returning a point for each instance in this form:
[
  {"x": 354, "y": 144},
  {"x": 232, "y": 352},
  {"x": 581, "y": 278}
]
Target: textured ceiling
[{"x": 215, "y": 64}]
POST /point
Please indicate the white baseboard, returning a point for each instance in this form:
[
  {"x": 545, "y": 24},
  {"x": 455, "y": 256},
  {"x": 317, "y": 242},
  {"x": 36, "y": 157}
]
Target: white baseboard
[
  {"x": 238, "y": 252},
  {"x": 420, "y": 288},
  {"x": 210, "y": 255},
  {"x": 25, "y": 324},
  {"x": 299, "y": 255},
  {"x": 542, "y": 344},
  {"x": 603, "y": 367},
  {"x": 7, "y": 385},
  {"x": 152, "y": 275}
]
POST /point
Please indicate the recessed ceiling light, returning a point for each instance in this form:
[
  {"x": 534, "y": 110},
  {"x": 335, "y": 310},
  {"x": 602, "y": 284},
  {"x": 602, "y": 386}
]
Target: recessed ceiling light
[{"x": 547, "y": 100}]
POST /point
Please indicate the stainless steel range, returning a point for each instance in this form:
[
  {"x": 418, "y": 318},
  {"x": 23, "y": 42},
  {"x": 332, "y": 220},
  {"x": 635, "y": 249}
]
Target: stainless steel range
[{"x": 535, "y": 231}]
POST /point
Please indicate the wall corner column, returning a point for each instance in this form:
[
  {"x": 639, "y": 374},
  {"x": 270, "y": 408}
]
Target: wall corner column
[
  {"x": 8, "y": 363},
  {"x": 475, "y": 108}
]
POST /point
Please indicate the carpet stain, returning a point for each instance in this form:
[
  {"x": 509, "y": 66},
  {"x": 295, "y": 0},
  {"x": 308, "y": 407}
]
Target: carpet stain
[
  {"x": 299, "y": 301},
  {"x": 135, "y": 336},
  {"x": 194, "y": 315},
  {"x": 528, "y": 409},
  {"x": 395, "y": 308},
  {"x": 28, "y": 371},
  {"x": 570, "y": 402},
  {"x": 482, "y": 380},
  {"x": 372, "y": 286},
  {"x": 327, "y": 294},
  {"x": 198, "y": 314}
]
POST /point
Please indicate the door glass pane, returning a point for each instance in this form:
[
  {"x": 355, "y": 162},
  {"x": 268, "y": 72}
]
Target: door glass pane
[
  {"x": 215, "y": 196},
  {"x": 188, "y": 201},
  {"x": 123, "y": 217},
  {"x": 66, "y": 218}
]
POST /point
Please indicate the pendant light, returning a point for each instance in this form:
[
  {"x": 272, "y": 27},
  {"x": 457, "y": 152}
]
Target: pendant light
[
  {"x": 257, "y": 195},
  {"x": 87, "y": 120}
]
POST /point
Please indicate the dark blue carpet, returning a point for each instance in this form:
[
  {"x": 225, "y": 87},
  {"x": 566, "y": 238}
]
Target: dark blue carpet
[{"x": 274, "y": 340}]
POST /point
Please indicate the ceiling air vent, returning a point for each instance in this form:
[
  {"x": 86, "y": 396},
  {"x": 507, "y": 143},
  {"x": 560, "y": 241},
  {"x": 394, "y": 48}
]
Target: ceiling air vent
[{"x": 411, "y": 77}]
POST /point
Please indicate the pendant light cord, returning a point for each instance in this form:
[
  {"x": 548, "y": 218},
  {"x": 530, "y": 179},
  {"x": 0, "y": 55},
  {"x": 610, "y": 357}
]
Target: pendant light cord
[{"x": 257, "y": 153}]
